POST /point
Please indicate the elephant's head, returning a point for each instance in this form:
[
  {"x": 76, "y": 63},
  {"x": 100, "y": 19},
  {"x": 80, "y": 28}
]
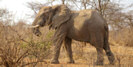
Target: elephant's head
[
  {"x": 53, "y": 16},
  {"x": 41, "y": 19}
]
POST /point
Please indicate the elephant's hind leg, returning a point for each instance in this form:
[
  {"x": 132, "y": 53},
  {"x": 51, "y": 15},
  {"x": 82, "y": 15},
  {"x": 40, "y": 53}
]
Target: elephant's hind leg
[
  {"x": 110, "y": 55},
  {"x": 99, "y": 48},
  {"x": 97, "y": 42},
  {"x": 100, "y": 57},
  {"x": 106, "y": 47},
  {"x": 68, "y": 48}
]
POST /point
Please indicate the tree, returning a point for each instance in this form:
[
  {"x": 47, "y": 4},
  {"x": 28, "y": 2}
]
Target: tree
[
  {"x": 5, "y": 16},
  {"x": 63, "y": 1}
]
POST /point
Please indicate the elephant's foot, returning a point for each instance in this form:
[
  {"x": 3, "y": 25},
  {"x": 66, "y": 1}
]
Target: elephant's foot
[
  {"x": 111, "y": 59},
  {"x": 112, "y": 63},
  {"x": 71, "y": 62},
  {"x": 98, "y": 63},
  {"x": 54, "y": 62}
]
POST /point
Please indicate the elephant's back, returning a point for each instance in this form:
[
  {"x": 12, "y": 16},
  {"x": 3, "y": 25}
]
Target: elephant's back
[
  {"x": 84, "y": 23},
  {"x": 87, "y": 19}
]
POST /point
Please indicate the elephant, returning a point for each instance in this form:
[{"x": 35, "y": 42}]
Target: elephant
[{"x": 84, "y": 26}]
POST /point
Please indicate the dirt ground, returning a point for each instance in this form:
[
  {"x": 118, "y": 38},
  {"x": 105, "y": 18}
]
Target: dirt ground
[{"x": 86, "y": 56}]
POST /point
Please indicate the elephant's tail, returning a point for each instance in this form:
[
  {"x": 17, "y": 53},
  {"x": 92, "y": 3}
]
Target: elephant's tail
[{"x": 106, "y": 37}]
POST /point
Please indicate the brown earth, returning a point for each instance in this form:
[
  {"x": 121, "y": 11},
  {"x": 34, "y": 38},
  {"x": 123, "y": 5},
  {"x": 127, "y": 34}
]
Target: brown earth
[{"x": 86, "y": 56}]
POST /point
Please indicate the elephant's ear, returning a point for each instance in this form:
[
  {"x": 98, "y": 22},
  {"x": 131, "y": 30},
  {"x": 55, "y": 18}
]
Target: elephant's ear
[{"x": 61, "y": 16}]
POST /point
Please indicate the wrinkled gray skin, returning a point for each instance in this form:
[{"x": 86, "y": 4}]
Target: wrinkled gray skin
[{"x": 85, "y": 26}]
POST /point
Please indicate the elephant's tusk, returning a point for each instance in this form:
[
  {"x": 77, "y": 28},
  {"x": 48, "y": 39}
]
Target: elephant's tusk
[{"x": 34, "y": 26}]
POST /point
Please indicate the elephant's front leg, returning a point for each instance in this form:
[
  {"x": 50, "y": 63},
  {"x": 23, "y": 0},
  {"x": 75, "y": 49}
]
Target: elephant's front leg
[
  {"x": 58, "y": 39},
  {"x": 100, "y": 57},
  {"x": 56, "y": 53},
  {"x": 68, "y": 48}
]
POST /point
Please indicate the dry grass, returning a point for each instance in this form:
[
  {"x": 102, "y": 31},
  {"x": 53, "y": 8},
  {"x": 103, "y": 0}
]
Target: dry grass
[
  {"x": 123, "y": 55},
  {"x": 122, "y": 37},
  {"x": 19, "y": 47}
]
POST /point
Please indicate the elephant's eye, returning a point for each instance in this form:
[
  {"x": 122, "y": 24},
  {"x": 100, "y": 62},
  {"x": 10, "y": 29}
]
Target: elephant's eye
[
  {"x": 42, "y": 15},
  {"x": 46, "y": 11}
]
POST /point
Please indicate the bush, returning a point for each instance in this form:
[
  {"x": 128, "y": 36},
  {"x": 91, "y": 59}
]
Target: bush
[
  {"x": 122, "y": 37},
  {"x": 18, "y": 44}
]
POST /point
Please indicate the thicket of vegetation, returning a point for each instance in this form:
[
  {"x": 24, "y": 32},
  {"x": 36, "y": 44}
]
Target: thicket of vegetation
[{"x": 20, "y": 47}]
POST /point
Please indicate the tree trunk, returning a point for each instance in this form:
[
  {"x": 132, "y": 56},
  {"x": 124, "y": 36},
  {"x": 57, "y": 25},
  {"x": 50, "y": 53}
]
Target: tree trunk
[{"x": 63, "y": 1}]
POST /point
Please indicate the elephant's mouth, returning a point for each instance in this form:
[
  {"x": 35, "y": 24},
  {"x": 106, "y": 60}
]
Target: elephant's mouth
[{"x": 37, "y": 32}]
